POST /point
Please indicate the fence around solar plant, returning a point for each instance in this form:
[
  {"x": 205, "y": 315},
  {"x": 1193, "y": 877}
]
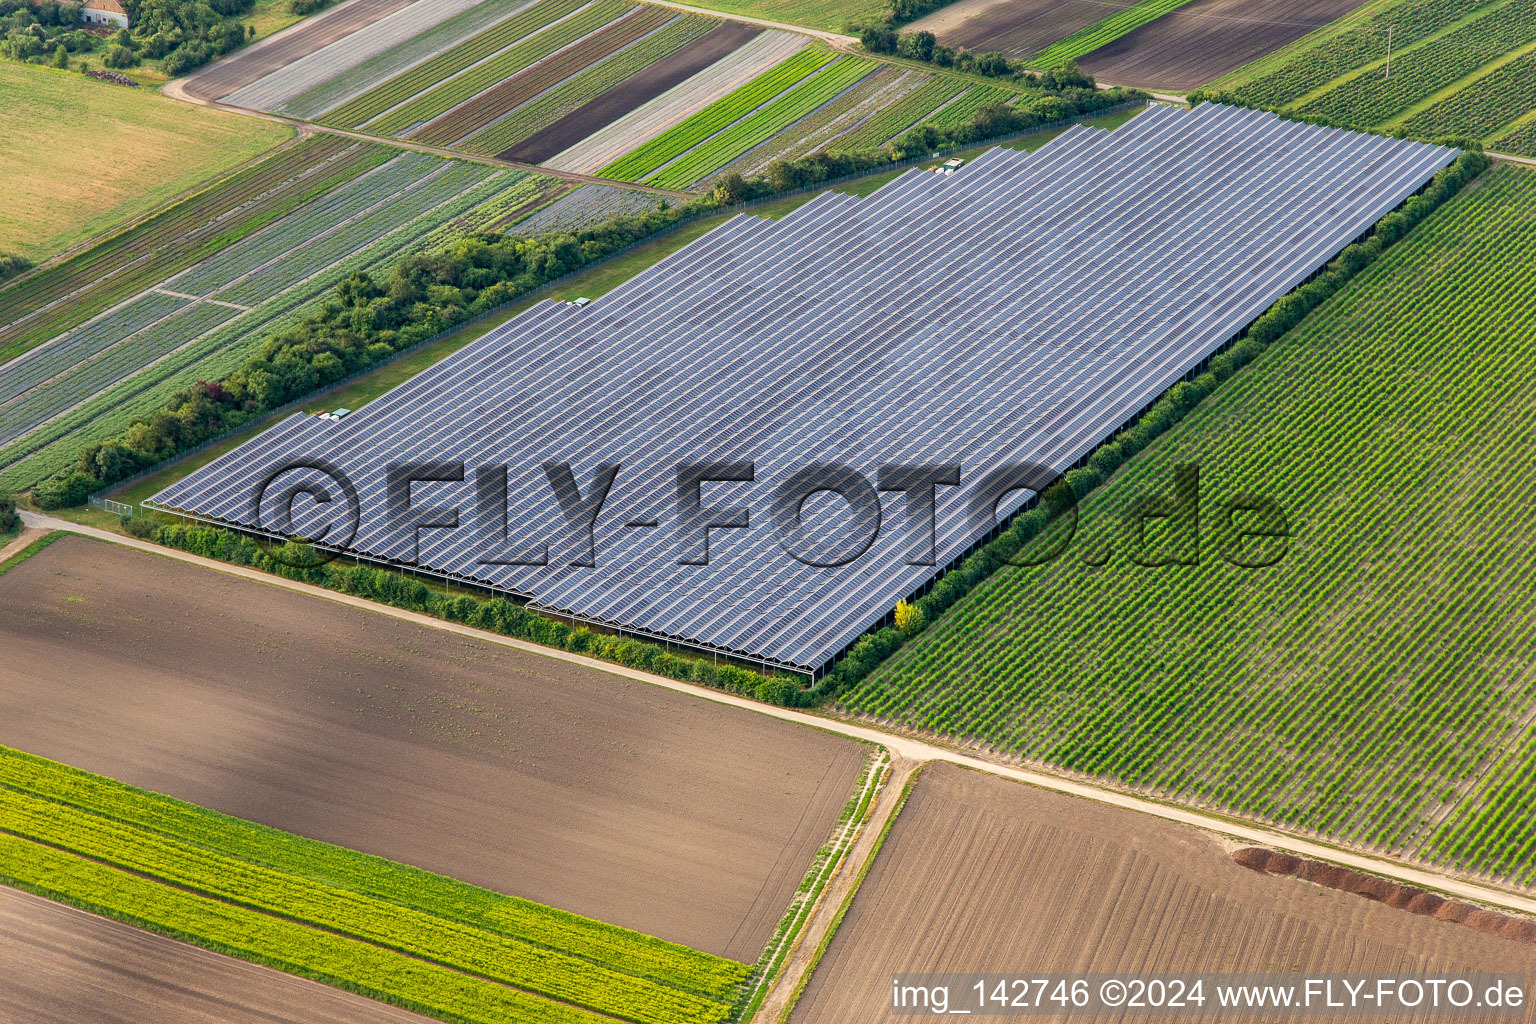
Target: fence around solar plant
[{"x": 1019, "y": 310}]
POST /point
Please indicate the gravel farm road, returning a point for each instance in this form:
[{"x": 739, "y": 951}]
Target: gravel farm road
[{"x": 907, "y": 748}]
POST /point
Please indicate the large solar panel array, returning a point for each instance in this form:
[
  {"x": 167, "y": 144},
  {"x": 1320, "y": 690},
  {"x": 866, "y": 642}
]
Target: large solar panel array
[{"x": 1021, "y": 309}]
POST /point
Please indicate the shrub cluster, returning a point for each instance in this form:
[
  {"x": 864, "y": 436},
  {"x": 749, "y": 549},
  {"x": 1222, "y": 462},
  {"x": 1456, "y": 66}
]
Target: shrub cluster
[
  {"x": 12, "y": 265},
  {"x": 46, "y": 33},
  {"x": 923, "y": 46},
  {"x": 496, "y": 615},
  {"x": 1285, "y": 314},
  {"x": 183, "y": 34},
  {"x": 9, "y": 518}
]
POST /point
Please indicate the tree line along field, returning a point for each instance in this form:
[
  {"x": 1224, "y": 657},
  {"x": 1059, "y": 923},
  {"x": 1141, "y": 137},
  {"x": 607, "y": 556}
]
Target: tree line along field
[
  {"x": 1377, "y": 686},
  {"x": 88, "y": 343},
  {"x": 408, "y": 936},
  {"x": 83, "y": 156},
  {"x": 1459, "y": 68}
]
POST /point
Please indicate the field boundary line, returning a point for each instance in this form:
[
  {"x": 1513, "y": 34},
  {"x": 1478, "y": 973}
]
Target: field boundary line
[{"x": 909, "y": 747}]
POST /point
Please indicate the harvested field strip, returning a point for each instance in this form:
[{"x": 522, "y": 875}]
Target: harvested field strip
[
  {"x": 715, "y": 153},
  {"x": 163, "y": 829},
  {"x": 497, "y": 101},
  {"x": 246, "y": 66},
  {"x": 1485, "y": 106},
  {"x": 529, "y": 18},
  {"x": 44, "y": 305},
  {"x": 264, "y": 939},
  {"x": 1329, "y": 692},
  {"x": 717, "y": 116},
  {"x": 576, "y": 21},
  {"x": 1298, "y": 72},
  {"x": 611, "y": 90},
  {"x": 1369, "y": 100},
  {"x": 914, "y": 108},
  {"x": 582, "y": 88},
  {"x": 509, "y": 960},
  {"x": 398, "y": 60},
  {"x": 1085, "y": 41},
  {"x": 818, "y": 130},
  {"x": 364, "y": 44},
  {"x": 620, "y": 136}
]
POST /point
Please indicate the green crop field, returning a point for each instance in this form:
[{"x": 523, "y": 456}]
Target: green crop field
[
  {"x": 763, "y": 124},
  {"x": 912, "y": 109},
  {"x": 358, "y": 921},
  {"x": 725, "y": 111},
  {"x": 82, "y": 156},
  {"x": 1102, "y": 32},
  {"x": 1377, "y": 685},
  {"x": 1459, "y": 68},
  {"x": 827, "y": 15}
]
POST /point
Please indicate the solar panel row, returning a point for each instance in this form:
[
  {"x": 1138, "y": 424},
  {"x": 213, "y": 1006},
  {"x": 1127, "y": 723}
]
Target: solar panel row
[{"x": 1020, "y": 310}]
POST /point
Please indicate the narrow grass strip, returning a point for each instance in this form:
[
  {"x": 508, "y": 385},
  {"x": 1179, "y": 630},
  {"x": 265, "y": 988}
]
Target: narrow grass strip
[{"x": 1101, "y": 33}]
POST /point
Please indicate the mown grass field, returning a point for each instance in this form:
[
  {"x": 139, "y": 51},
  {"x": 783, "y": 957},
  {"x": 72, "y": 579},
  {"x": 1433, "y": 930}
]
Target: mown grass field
[
  {"x": 415, "y": 938},
  {"x": 83, "y": 156},
  {"x": 1377, "y": 685}
]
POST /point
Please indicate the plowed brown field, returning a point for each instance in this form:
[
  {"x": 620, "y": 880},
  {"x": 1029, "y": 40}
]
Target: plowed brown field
[
  {"x": 59, "y": 965},
  {"x": 594, "y": 793},
  {"x": 1016, "y": 27},
  {"x": 986, "y": 875},
  {"x": 1206, "y": 39}
]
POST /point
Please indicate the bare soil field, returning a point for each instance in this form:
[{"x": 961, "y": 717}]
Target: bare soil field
[
  {"x": 983, "y": 874},
  {"x": 632, "y": 92},
  {"x": 597, "y": 794},
  {"x": 245, "y": 66},
  {"x": 1206, "y": 39},
  {"x": 64, "y": 966},
  {"x": 1016, "y": 27}
]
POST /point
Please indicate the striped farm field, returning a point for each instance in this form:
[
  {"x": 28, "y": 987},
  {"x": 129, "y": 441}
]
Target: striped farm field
[
  {"x": 821, "y": 129},
  {"x": 964, "y": 109},
  {"x": 1483, "y": 107},
  {"x": 347, "y": 918},
  {"x": 674, "y": 142},
  {"x": 513, "y": 92},
  {"x": 1520, "y": 141},
  {"x": 39, "y": 307},
  {"x": 567, "y": 29},
  {"x": 587, "y": 85},
  {"x": 418, "y": 51},
  {"x": 353, "y": 49},
  {"x": 529, "y": 18},
  {"x": 193, "y": 308},
  {"x": 1373, "y": 686},
  {"x": 914, "y": 108},
  {"x": 826, "y": 84}
]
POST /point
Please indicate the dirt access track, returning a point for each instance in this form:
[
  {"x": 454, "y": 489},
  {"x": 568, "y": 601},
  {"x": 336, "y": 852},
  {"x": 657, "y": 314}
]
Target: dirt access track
[
  {"x": 988, "y": 875},
  {"x": 64, "y": 966},
  {"x": 598, "y": 794}
]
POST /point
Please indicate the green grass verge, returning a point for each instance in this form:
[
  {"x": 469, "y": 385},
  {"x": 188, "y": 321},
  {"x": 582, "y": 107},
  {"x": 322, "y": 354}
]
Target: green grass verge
[{"x": 430, "y": 918}]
